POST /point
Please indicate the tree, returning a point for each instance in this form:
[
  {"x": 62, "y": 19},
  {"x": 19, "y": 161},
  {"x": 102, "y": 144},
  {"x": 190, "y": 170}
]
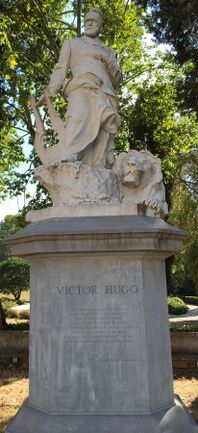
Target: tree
[
  {"x": 157, "y": 123},
  {"x": 176, "y": 22},
  {"x": 184, "y": 214},
  {"x": 10, "y": 225},
  {"x": 14, "y": 276},
  {"x": 31, "y": 42}
]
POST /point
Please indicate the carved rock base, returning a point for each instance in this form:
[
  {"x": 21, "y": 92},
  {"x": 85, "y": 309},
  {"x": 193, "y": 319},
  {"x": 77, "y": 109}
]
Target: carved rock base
[{"x": 76, "y": 183}]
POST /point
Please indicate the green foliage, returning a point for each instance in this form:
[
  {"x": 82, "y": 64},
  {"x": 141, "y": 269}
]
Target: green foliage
[
  {"x": 183, "y": 327},
  {"x": 7, "y": 305},
  {"x": 20, "y": 315},
  {"x": 176, "y": 306},
  {"x": 24, "y": 315},
  {"x": 14, "y": 276},
  {"x": 10, "y": 225},
  {"x": 19, "y": 302},
  {"x": 157, "y": 123},
  {"x": 184, "y": 214},
  {"x": 12, "y": 314},
  {"x": 191, "y": 300},
  {"x": 175, "y": 22},
  {"x": 31, "y": 37}
]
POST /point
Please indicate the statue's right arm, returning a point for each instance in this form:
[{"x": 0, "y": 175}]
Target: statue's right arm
[{"x": 60, "y": 70}]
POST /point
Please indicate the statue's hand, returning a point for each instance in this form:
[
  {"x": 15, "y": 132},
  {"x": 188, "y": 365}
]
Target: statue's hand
[{"x": 43, "y": 98}]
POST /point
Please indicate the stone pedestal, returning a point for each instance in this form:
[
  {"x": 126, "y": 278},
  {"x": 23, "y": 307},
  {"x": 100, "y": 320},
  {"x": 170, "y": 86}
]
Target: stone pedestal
[{"x": 100, "y": 359}]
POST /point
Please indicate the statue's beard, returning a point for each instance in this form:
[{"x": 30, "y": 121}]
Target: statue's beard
[
  {"x": 132, "y": 179},
  {"x": 91, "y": 32}
]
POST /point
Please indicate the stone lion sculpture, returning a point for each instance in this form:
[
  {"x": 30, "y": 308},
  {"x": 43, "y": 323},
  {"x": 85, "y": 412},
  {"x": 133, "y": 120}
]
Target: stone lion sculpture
[{"x": 141, "y": 180}]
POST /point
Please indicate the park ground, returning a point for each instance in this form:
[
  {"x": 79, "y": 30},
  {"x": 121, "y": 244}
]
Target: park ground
[{"x": 14, "y": 390}]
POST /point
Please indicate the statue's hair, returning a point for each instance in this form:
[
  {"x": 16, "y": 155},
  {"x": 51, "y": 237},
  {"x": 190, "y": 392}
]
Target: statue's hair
[{"x": 96, "y": 11}]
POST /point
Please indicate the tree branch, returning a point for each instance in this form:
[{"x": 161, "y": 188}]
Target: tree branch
[
  {"x": 78, "y": 13},
  {"x": 126, "y": 6},
  {"x": 20, "y": 129},
  {"x": 17, "y": 109},
  {"x": 147, "y": 70},
  {"x": 68, "y": 26},
  {"x": 31, "y": 63},
  {"x": 47, "y": 30},
  {"x": 22, "y": 136},
  {"x": 67, "y": 12},
  {"x": 29, "y": 123}
]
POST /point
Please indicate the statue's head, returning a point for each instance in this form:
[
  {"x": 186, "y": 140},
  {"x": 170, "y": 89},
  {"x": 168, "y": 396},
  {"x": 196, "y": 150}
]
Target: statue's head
[{"x": 93, "y": 22}]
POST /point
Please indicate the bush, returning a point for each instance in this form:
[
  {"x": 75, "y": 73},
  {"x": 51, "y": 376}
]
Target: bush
[
  {"x": 19, "y": 302},
  {"x": 184, "y": 327},
  {"x": 25, "y": 314},
  {"x": 12, "y": 314},
  {"x": 176, "y": 306},
  {"x": 191, "y": 300},
  {"x": 7, "y": 305},
  {"x": 16, "y": 314}
]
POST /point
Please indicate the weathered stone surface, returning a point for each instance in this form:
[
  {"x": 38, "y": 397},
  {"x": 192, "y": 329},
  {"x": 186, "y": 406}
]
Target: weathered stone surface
[
  {"x": 173, "y": 420},
  {"x": 141, "y": 180},
  {"x": 99, "y": 336},
  {"x": 133, "y": 187},
  {"x": 142, "y": 235},
  {"x": 76, "y": 183},
  {"x": 90, "y": 334},
  {"x": 85, "y": 210}
]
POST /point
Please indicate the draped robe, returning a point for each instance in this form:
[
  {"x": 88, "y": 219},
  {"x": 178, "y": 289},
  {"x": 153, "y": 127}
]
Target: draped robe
[{"x": 91, "y": 119}]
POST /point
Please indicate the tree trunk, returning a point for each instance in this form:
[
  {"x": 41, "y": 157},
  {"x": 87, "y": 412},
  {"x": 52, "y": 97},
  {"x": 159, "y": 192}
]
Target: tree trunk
[
  {"x": 17, "y": 294},
  {"x": 78, "y": 13},
  {"x": 2, "y": 317},
  {"x": 169, "y": 263}
]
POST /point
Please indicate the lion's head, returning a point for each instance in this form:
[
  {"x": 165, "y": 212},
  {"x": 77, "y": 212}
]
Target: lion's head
[{"x": 141, "y": 179}]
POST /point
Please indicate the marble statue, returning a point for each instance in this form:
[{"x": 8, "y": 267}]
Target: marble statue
[
  {"x": 80, "y": 172},
  {"x": 87, "y": 133}
]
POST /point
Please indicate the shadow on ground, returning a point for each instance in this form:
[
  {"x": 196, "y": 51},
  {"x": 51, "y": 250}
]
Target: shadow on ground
[
  {"x": 12, "y": 373},
  {"x": 193, "y": 409}
]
